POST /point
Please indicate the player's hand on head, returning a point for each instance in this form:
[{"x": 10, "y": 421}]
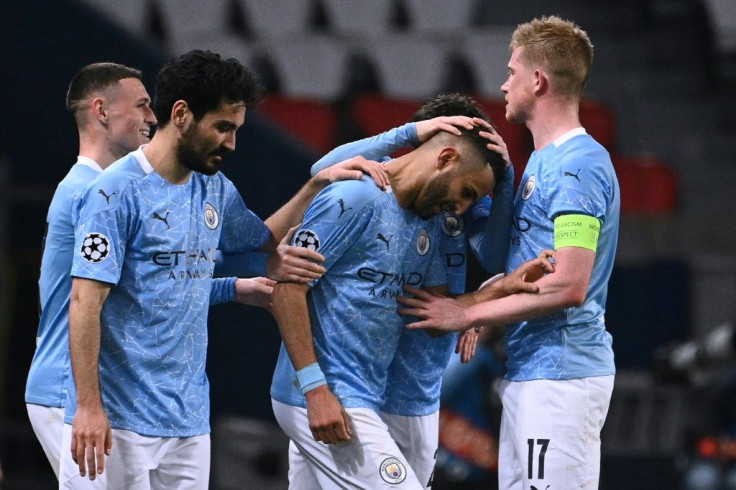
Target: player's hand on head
[
  {"x": 91, "y": 441},
  {"x": 254, "y": 291},
  {"x": 354, "y": 169},
  {"x": 328, "y": 420},
  {"x": 496, "y": 143},
  {"x": 433, "y": 311},
  {"x": 450, "y": 124},
  {"x": 294, "y": 263}
]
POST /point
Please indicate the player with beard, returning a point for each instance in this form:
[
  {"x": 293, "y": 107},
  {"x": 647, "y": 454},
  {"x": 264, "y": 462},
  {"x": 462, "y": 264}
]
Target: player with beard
[{"x": 147, "y": 232}]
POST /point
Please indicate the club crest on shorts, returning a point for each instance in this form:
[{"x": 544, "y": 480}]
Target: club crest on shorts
[
  {"x": 393, "y": 471},
  {"x": 307, "y": 239},
  {"x": 452, "y": 224},
  {"x": 423, "y": 242},
  {"x": 95, "y": 248},
  {"x": 211, "y": 217},
  {"x": 531, "y": 183}
]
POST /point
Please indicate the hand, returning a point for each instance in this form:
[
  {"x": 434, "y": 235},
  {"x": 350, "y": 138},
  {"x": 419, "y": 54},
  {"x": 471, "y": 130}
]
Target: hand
[
  {"x": 353, "y": 168},
  {"x": 428, "y": 128},
  {"x": 328, "y": 420},
  {"x": 294, "y": 264},
  {"x": 255, "y": 291},
  {"x": 91, "y": 440},
  {"x": 434, "y": 311},
  {"x": 467, "y": 342},
  {"x": 496, "y": 144},
  {"x": 523, "y": 278}
]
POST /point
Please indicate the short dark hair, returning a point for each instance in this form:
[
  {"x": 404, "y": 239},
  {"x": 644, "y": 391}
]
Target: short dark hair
[
  {"x": 449, "y": 105},
  {"x": 463, "y": 105},
  {"x": 93, "y": 78},
  {"x": 204, "y": 80}
]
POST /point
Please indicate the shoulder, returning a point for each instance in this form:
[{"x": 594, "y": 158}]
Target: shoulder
[{"x": 349, "y": 196}]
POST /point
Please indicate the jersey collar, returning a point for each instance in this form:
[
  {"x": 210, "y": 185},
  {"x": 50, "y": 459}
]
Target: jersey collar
[
  {"x": 142, "y": 160},
  {"x": 88, "y": 162},
  {"x": 573, "y": 132}
]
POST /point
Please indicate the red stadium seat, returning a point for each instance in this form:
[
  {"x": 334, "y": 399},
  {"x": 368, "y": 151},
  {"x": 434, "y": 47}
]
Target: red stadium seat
[
  {"x": 599, "y": 121},
  {"x": 311, "y": 121},
  {"x": 648, "y": 185}
]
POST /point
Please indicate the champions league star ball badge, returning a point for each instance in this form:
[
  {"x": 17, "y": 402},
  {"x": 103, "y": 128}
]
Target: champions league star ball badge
[
  {"x": 452, "y": 224},
  {"x": 307, "y": 239},
  {"x": 95, "y": 248},
  {"x": 529, "y": 187},
  {"x": 393, "y": 471},
  {"x": 211, "y": 218}
]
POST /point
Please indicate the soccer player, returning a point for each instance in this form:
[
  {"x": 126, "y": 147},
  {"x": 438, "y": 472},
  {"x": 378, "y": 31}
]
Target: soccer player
[
  {"x": 411, "y": 407},
  {"x": 339, "y": 341},
  {"x": 148, "y": 229},
  {"x": 112, "y": 112},
  {"x": 559, "y": 381}
]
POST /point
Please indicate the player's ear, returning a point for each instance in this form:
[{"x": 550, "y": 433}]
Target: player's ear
[
  {"x": 99, "y": 109},
  {"x": 179, "y": 113},
  {"x": 447, "y": 157}
]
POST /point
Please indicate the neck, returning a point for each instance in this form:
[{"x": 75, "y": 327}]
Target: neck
[
  {"x": 161, "y": 153},
  {"x": 406, "y": 177},
  {"x": 552, "y": 117},
  {"x": 97, "y": 150}
]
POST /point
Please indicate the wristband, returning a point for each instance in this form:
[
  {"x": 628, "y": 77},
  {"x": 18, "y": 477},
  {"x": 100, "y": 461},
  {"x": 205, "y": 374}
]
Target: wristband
[
  {"x": 577, "y": 230},
  {"x": 310, "y": 377}
]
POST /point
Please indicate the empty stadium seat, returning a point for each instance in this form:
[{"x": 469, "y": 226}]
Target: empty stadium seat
[
  {"x": 309, "y": 66},
  {"x": 311, "y": 121},
  {"x": 487, "y": 52},
  {"x": 408, "y": 67},
  {"x": 358, "y": 17},
  {"x": 439, "y": 17},
  {"x": 131, "y": 14},
  {"x": 648, "y": 185},
  {"x": 277, "y": 18},
  {"x": 376, "y": 113}
]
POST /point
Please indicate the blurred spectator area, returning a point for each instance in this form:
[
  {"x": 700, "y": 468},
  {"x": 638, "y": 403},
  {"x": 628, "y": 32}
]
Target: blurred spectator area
[{"x": 660, "y": 99}]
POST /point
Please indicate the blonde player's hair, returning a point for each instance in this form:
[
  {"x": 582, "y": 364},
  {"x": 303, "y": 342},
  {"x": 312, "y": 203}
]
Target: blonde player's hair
[{"x": 560, "y": 48}]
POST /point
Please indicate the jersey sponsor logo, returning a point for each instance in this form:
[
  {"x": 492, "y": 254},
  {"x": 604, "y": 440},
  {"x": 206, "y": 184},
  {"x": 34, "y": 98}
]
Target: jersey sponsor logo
[
  {"x": 95, "y": 248},
  {"x": 389, "y": 278},
  {"x": 211, "y": 217},
  {"x": 520, "y": 224},
  {"x": 307, "y": 239},
  {"x": 423, "y": 242},
  {"x": 529, "y": 187},
  {"x": 385, "y": 240},
  {"x": 393, "y": 471},
  {"x": 575, "y": 175},
  {"x": 105, "y": 195},
  {"x": 545, "y": 488},
  {"x": 452, "y": 224},
  {"x": 454, "y": 260},
  {"x": 164, "y": 218},
  {"x": 343, "y": 209},
  {"x": 184, "y": 257}
]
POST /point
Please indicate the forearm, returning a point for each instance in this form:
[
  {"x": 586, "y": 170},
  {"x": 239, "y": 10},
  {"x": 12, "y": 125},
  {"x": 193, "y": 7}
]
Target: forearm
[
  {"x": 290, "y": 310},
  {"x": 490, "y": 243},
  {"x": 372, "y": 148},
  {"x": 84, "y": 346}
]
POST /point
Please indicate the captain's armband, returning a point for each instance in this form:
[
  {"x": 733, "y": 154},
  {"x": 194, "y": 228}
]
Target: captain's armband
[{"x": 577, "y": 230}]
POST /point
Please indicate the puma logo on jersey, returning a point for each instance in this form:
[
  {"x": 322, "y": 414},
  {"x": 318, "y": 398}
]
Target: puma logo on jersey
[
  {"x": 165, "y": 218},
  {"x": 104, "y": 194},
  {"x": 343, "y": 210},
  {"x": 385, "y": 240},
  {"x": 570, "y": 174}
]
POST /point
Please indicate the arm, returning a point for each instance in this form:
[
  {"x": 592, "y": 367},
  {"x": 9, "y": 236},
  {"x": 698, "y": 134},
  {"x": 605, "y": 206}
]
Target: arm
[
  {"x": 328, "y": 420},
  {"x": 567, "y": 287},
  {"x": 290, "y": 214},
  {"x": 91, "y": 428}
]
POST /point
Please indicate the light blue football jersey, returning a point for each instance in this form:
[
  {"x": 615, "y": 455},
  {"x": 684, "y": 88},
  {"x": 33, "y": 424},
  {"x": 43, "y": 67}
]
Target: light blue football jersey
[
  {"x": 415, "y": 374},
  {"x": 573, "y": 175},
  {"x": 51, "y": 369},
  {"x": 155, "y": 243},
  {"x": 372, "y": 248}
]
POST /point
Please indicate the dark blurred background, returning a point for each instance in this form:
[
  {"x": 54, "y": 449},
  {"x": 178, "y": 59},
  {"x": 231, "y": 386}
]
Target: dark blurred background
[{"x": 661, "y": 99}]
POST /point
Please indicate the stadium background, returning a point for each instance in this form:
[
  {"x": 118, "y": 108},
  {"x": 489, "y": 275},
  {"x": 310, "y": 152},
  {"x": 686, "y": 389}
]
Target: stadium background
[{"x": 661, "y": 97}]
